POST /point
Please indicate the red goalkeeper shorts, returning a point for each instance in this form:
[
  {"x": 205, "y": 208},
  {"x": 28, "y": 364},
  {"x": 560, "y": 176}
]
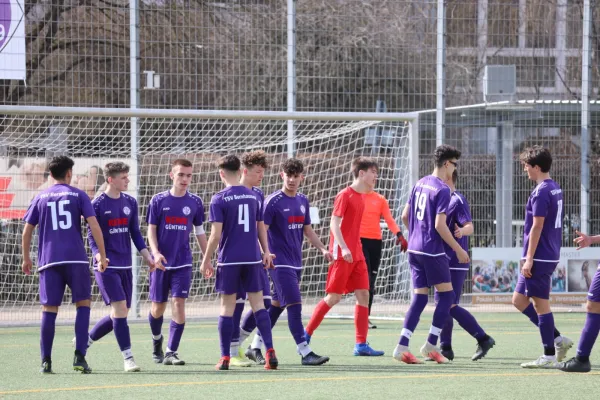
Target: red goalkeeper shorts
[{"x": 344, "y": 277}]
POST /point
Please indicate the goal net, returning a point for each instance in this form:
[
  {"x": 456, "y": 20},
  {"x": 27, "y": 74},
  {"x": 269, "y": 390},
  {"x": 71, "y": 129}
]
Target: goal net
[{"x": 327, "y": 148}]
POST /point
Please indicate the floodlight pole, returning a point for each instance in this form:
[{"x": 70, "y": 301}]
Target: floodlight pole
[
  {"x": 440, "y": 122},
  {"x": 291, "y": 72},
  {"x": 585, "y": 117}
]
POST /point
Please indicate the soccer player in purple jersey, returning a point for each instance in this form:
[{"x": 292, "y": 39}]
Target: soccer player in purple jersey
[
  {"x": 237, "y": 223},
  {"x": 425, "y": 217},
  {"x": 171, "y": 217},
  {"x": 287, "y": 220},
  {"x": 62, "y": 258},
  {"x": 542, "y": 238},
  {"x": 459, "y": 221},
  {"x": 117, "y": 214},
  {"x": 581, "y": 362},
  {"x": 254, "y": 165}
]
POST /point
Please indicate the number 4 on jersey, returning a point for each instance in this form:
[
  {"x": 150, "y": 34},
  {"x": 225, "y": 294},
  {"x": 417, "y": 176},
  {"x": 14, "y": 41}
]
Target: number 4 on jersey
[{"x": 244, "y": 217}]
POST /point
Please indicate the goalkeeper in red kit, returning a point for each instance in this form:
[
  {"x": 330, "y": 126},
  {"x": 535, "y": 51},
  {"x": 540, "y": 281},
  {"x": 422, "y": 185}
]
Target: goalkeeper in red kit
[{"x": 348, "y": 273}]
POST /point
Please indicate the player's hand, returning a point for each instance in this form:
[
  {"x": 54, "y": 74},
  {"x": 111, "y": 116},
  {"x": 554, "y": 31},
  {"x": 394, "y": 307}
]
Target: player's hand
[
  {"x": 457, "y": 231},
  {"x": 582, "y": 240},
  {"x": 102, "y": 265},
  {"x": 159, "y": 262},
  {"x": 206, "y": 269},
  {"x": 347, "y": 255},
  {"x": 463, "y": 256},
  {"x": 152, "y": 265},
  {"x": 267, "y": 259},
  {"x": 400, "y": 241},
  {"x": 526, "y": 268},
  {"x": 327, "y": 255},
  {"x": 27, "y": 265}
]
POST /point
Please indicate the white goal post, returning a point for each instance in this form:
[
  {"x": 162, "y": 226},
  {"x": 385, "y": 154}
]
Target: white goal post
[{"x": 149, "y": 139}]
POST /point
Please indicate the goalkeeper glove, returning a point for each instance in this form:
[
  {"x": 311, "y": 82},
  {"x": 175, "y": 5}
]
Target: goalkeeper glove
[{"x": 400, "y": 241}]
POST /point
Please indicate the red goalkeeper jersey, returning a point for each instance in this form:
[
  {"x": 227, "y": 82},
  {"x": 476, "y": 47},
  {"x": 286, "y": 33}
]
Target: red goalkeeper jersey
[{"x": 349, "y": 205}]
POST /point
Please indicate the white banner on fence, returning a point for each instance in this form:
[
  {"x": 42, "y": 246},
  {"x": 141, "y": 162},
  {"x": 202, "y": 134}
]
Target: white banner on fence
[{"x": 12, "y": 40}]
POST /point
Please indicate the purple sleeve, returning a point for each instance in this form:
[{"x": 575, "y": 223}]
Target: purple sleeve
[
  {"x": 91, "y": 240},
  {"x": 268, "y": 213},
  {"x": 215, "y": 210},
  {"x": 199, "y": 217},
  {"x": 259, "y": 209},
  {"x": 32, "y": 216},
  {"x": 134, "y": 228},
  {"x": 540, "y": 204},
  {"x": 87, "y": 209},
  {"x": 442, "y": 200},
  {"x": 307, "y": 212},
  {"x": 464, "y": 213},
  {"x": 152, "y": 216}
]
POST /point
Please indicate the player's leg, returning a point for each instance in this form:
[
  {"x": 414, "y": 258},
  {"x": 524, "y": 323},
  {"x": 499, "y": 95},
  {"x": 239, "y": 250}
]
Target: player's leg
[
  {"x": 358, "y": 282},
  {"x": 253, "y": 280},
  {"x": 275, "y": 310},
  {"x": 522, "y": 303},
  {"x": 286, "y": 282},
  {"x": 417, "y": 305},
  {"x": 335, "y": 286},
  {"x": 538, "y": 288},
  {"x": 159, "y": 295},
  {"x": 79, "y": 280},
  {"x": 108, "y": 283},
  {"x": 238, "y": 336},
  {"x": 120, "y": 309},
  {"x": 581, "y": 362},
  {"x": 227, "y": 284},
  {"x": 51, "y": 288},
  {"x": 367, "y": 250},
  {"x": 181, "y": 281}
]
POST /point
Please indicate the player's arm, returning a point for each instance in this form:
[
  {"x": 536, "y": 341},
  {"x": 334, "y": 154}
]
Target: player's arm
[
  {"x": 201, "y": 238},
  {"x": 465, "y": 219},
  {"x": 216, "y": 231},
  {"x": 314, "y": 239},
  {"x": 159, "y": 259},
  {"x": 336, "y": 230},
  {"x": 444, "y": 232},
  {"x": 264, "y": 244},
  {"x": 540, "y": 206},
  {"x": 25, "y": 246},
  {"x": 138, "y": 240},
  {"x": 405, "y": 215},
  {"x": 582, "y": 240},
  {"x": 466, "y": 230},
  {"x": 99, "y": 240},
  {"x": 392, "y": 226}
]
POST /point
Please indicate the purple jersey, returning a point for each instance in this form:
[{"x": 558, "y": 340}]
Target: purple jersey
[
  {"x": 58, "y": 211},
  {"x": 428, "y": 198},
  {"x": 238, "y": 209},
  {"x": 459, "y": 214},
  {"x": 174, "y": 218},
  {"x": 118, "y": 219},
  {"x": 286, "y": 217},
  {"x": 546, "y": 201}
]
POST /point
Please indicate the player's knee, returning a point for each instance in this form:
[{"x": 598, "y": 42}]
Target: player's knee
[
  {"x": 119, "y": 309},
  {"x": 362, "y": 297},
  {"x": 332, "y": 299},
  {"x": 276, "y": 303},
  {"x": 83, "y": 303},
  {"x": 158, "y": 309},
  {"x": 50, "y": 309},
  {"x": 519, "y": 301}
]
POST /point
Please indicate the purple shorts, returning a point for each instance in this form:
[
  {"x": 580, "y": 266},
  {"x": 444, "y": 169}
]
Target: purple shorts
[
  {"x": 241, "y": 294},
  {"x": 115, "y": 285},
  {"x": 54, "y": 279},
  {"x": 428, "y": 271},
  {"x": 286, "y": 283},
  {"x": 458, "y": 277},
  {"x": 540, "y": 283},
  {"x": 594, "y": 290},
  {"x": 178, "y": 280},
  {"x": 231, "y": 279}
]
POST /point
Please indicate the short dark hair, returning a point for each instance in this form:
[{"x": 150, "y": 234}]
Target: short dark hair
[
  {"x": 455, "y": 176},
  {"x": 181, "y": 161},
  {"x": 292, "y": 166},
  {"x": 255, "y": 158},
  {"x": 59, "y": 166},
  {"x": 230, "y": 163},
  {"x": 112, "y": 169},
  {"x": 444, "y": 153},
  {"x": 537, "y": 155},
  {"x": 363, "y": 164}
]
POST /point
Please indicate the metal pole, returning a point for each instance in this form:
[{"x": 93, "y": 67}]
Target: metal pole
[
  {"x": 291, "y": 72},
  {"x": 499, "y": 187},
  {"x": 134, "y": 77},
  {"x": 507, "y": 182},
  {"x": 441, "y": 73},
  {"x": 585, "y": 117}
]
